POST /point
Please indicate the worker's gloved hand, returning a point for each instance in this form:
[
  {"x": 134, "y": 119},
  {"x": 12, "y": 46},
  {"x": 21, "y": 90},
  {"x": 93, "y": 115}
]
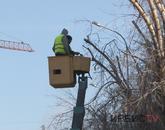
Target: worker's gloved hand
[{"x": 76, "y": 53}]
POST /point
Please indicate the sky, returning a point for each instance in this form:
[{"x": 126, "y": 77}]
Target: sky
[{"x": 25, "y": 96}]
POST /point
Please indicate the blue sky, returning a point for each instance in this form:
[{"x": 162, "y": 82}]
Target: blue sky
[{"x": 25, "y": 104}]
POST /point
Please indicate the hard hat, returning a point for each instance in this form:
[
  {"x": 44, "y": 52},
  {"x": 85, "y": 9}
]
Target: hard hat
[{"x": 64, "y": 31}]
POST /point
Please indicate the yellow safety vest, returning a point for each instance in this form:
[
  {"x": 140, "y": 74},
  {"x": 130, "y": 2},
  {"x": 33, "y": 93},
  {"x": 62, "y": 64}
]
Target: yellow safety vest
[{"x": 58, "y": 45}]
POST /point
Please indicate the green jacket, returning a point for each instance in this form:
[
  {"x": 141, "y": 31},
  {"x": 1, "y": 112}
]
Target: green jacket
[{"x": 59, "y": 45}]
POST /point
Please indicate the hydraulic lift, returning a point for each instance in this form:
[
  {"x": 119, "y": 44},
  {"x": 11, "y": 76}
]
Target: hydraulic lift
[{"x": 62, "y": 74}]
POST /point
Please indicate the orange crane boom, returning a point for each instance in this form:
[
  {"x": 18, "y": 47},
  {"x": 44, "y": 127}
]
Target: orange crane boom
[{"x": 12, "y": 45}]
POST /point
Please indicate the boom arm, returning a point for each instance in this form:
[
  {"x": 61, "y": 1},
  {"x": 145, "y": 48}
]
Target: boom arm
[{"x": 19, "y": 46}]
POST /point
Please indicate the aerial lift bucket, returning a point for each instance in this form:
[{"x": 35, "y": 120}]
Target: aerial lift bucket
[
  {"x": 63, "y": 70},
  {"x": 81, "y": 64}
]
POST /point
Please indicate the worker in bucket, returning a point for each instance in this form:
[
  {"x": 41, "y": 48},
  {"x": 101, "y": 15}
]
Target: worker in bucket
[
  {"x": 62, "y": 44},
  {"x": 71, "y": 52}
]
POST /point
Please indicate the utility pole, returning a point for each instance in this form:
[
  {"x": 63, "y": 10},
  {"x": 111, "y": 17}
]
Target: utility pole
[{"x": 79, "y": 110}]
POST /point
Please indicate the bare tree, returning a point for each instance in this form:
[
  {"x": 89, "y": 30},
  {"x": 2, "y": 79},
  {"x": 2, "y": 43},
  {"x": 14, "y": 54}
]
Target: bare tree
[
  {"x": 136, "y": 71},
  {"x": 133, "y": 68}
]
